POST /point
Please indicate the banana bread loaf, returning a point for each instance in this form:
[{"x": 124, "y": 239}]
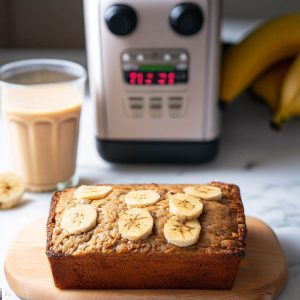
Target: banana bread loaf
[{"x": 146, "y": 236}]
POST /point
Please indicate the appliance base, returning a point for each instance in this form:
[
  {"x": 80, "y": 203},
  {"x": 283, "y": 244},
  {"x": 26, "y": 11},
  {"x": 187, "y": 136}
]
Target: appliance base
[{"x": 157, "y": 152}]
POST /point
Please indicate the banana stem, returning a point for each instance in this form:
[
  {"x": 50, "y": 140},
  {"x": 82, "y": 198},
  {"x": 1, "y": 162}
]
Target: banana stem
[{"x": 278, "y": 119}]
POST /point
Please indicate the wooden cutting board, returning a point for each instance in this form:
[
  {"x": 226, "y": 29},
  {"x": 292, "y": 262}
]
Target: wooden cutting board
[{"x": 261, "y": 275}]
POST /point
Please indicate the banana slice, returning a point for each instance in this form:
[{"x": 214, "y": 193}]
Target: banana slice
[
  {"x": 92, "y": 192},
  {"x": 204, "y": 191},
  {"x": 141, "y": 198},
  {"x": 185, "y": 206},
  {"x": 182, "y": 233},
  {"x": 11, "y": 190},
  {"x": 79, "y": 219},
  {"x": 135, "y": 224}
]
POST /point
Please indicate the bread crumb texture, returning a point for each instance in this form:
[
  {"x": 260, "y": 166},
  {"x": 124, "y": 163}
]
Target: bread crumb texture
[{"x": 223, "y": 228}]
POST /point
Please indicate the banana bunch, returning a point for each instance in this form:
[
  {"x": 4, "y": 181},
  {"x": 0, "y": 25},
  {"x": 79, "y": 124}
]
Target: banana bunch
[{"x": 268, "y": 60}]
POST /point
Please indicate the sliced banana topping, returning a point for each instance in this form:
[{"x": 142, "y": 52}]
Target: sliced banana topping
[
  {"x": 185, "y": 206},
  {"x": 182, "y": 233},
  {"x": 92, "y": 192},
  {"x": 141, "y": 198},
  {"x": 135, "y": 224},
  {"x": 204, "y": 191},
  {"x": 79, "y": 219},
  {"x": 11, "y": 190}
]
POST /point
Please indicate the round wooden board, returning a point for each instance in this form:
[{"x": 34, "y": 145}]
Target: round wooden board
[{"x": 261, "y": 275}]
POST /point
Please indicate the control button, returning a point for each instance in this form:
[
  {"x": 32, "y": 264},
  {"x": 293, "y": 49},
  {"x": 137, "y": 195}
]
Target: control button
[
  {"x": 155, "y": 107},
  {"x": 186, "y": 18},
  {"x": 140, "y": 57},
  {"x": 155, "y": 103},
  {"x": 183, "y": 56},
  {"x": 167, "y": 57},
  {"x": 175, "y": 106},
  {"x": 175, "y": 98},
  {"x": 120, "y": 19},
  {"x": 156, "y": 114},
  {"x": 133, "y": 98},
  {"x": 175, "y": 113},
  {"x": 136, "y": 106},
  {"x": 136, "y": 113},
  {"x": 181, "y": 67},
  {"x": 126, "y": 57},
  {"x": 175, "y": 102},
  {"x": 130, "y": 67},
  {"x": 155, "y": 99}
]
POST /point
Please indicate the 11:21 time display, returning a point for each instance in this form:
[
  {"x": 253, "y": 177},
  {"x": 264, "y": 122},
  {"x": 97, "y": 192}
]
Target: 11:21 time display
[{"x": 155, "y": 75}]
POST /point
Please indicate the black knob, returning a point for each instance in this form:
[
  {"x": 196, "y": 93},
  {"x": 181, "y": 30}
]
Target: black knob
[
  {"x": 121, "y": 19},
  {"x": 186, "y": 18}
]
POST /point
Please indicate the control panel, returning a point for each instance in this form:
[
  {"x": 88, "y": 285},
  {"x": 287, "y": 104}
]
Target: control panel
[
  {"x": 156, "y": 106},
  {"x": 155, "y": 71},
  {"x": 150, "y": 67}
]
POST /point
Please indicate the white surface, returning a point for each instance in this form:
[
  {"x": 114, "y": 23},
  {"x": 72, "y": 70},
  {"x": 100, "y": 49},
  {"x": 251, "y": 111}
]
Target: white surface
[{"x": 265, "y": 164}]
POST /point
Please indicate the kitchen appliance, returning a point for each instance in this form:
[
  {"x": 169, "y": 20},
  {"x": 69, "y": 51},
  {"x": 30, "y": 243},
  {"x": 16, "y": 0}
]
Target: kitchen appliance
[{"x": 153, "y": 71}]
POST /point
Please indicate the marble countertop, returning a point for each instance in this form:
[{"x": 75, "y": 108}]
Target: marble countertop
[{"x": 265, "y": 164}]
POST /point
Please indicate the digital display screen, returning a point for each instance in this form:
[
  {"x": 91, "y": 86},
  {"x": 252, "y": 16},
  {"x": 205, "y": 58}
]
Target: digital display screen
[{"x": 155, "y": 75}]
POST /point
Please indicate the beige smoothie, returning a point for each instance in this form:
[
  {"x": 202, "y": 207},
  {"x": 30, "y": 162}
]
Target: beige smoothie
[{"x": 41, "y": 124}]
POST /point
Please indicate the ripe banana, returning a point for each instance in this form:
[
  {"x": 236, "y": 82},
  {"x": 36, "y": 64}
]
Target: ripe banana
[
  {"x": 135, "y": 224},
  {"x": 268, "y": 85},
  {"x": 185, "y": 206},
  {"x": 92, "y": 192},
  {"x": 182, "y": 233},
  {"x": 79, "y": 219},
  {"x": 289, "y": 101},
  {"x": 11, "y": 190},
  {"x": 270, "y": 43},
  {"x": 204, "y": 191},
  {"x": 141, "y": 198}
]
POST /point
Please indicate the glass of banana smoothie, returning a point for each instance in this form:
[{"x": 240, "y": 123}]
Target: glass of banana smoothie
[{"x": 41, "y": 103}]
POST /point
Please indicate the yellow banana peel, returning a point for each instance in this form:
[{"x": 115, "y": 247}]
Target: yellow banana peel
[
  {"x": 268, "y": 85},
  {"x": 270, "y": 43},
  {"x": 289, "y": 101}
]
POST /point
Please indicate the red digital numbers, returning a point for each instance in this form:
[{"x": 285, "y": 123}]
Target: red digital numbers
[
  {"x": 171, "y": 78},
  {"x": 132, "y": 75},
  {"x": 162, "y": 75},
  {"x": 162, "y": 78},
  {"x": 140, "y": 78},
  {"x": 149, "y": 78},
  {"x": 171, "y": 75},
  {"x": 149, "y": 75}
]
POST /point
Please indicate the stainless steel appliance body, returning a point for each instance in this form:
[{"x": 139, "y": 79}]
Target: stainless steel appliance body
[{"x": 153, "y": 72}]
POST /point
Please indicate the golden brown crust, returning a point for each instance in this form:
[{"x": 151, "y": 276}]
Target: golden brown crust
[
  {"x": 202, "y": 267},
  {"x": 238, "y": 207}
]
